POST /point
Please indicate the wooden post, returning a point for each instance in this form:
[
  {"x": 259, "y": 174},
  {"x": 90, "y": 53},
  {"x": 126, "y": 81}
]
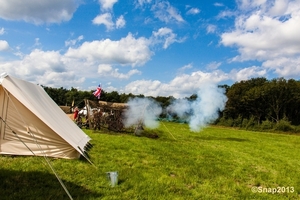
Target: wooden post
[{"x": 87, "y": 105}]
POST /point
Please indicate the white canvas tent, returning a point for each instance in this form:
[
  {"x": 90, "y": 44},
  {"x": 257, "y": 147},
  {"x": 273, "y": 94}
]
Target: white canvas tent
[{"x": 32, "y": 124}]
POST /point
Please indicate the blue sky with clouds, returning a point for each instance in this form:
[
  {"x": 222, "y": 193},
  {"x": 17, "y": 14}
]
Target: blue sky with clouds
[{"x": 151, "y": 47}]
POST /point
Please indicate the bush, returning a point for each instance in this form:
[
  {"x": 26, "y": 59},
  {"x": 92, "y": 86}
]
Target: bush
[
  {"x": 296, "y": 129},
  {"x": 251, "y": 124},
  {"x": 238, "y": 121},
  {"x": 225, "y": 122},
  {"x": 267, "y": 125},
  {"x": 283, "y": 125}
]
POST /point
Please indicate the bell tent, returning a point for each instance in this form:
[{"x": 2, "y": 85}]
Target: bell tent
[{"x": 31, "y": 123}]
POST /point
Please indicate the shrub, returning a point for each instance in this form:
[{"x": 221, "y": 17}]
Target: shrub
[
  {"x": 238, "y": 121},
  {"x": 283, "y": 125},
  {"x": 225, "y": 122},
  {"x": 267, "y": 125},
  {"x": 251, "y": 123}
]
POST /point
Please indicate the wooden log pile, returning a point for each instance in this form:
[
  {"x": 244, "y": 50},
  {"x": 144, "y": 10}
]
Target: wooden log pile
[{"x": 113, "y": 105}]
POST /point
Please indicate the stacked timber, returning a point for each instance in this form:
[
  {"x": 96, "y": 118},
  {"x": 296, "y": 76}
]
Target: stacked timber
[{"x": 113, "y": 105}]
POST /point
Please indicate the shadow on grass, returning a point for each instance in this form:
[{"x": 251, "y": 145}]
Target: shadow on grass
[
  {"x": 225, "y": 139},
  {"x": 39, "y": 185},
  {"x": 153, "y": 134}
]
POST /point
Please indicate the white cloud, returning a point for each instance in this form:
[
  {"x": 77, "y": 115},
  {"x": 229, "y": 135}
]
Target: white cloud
[
  {"x": 127, "y": 51},
  {"x": 73, "y": 42},
  {"x": 184, "y": 85},
  {"x": 213, "y": 65},
  {"x": 218, "y": 4},
  {"x": 54, "y": 11},
  {"x": 193, "y": 11},
  {"x": 106, "y": 70},
  {"x": 43, "y": 67},
  {"x": 284, "y": 67},
  {"x": 107, "y": 4},
  {"x": 166, "y": 36},
  {"x": 105, "y": 19},
  {"x": 225, "y": 14},
  {"x": 279, "y": 7},
  {"x": 4, "y": 45},
  {"x": 120, "y": 23},
  {"x": 211, "y": 28},
  {"x": 37, "y": 42},
  {"x": 185, "y": 67},
  {"x": 247, "y": 73},
  {"x": 166, "y": 13},
  {"x": 141, "y": 3},
  {"x": 50, "y": 68},
  {"x": 2, "y": 31},
  {"x": 268, "y": 32},
  {"x": 181, "y": 86},
  {"x": 249, "y": 4},
  {"x": 93, "y": 59}
]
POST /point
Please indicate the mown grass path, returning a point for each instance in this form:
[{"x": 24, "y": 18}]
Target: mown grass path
[{"x": 216, "y": 163}]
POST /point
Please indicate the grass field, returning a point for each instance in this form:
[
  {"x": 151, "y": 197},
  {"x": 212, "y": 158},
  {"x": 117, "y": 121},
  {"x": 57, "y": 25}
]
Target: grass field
[{"x": 216, "y": 163}]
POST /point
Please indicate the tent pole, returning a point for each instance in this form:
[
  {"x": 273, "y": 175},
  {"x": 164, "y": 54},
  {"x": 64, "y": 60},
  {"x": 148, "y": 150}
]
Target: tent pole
[{"x": 87, "y": 105}]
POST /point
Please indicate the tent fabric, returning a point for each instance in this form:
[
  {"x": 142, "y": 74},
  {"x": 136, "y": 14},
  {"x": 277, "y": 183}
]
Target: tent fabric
[{"x": 34, "y": 124}]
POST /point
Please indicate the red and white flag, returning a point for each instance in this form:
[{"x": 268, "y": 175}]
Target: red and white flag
[{"x": 97, "y": 93}]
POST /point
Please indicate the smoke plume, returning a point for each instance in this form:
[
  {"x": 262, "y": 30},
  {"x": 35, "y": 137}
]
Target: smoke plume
[
  {"x": 210, "y": 100},
  {"x": 142, "y": 110}
]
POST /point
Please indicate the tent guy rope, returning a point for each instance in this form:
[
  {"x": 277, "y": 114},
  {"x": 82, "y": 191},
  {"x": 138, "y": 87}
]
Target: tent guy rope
[{"x": 45, "y": 157}]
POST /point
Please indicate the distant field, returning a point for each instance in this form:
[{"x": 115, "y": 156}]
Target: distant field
[{"x": 216, "y": 163}]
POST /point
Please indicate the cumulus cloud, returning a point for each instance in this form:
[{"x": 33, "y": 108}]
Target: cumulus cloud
[
  {"x": 249, "y": 4},
  {"x": 218, "y": 4},
  {"x": 284, "y": 66},
  {"x": 126, "y": 51},
  {"x": 141, "y": 3},
  {"x": 2, "y": 31},
  {"x": 105, "y": 19},
  {"x": 266, "y": 32},
  {"x": 226, "y": 14},
  {"x": 106, "y": 70},
  {"x": 54, "y": 11},
  {"x": 107, "y": 4},
  {"x": 166, "y": 13},
  {"x": 105, "y": 59},
  {"x": 43, "y": 67},
  {"x": 74, "y": 41},
  {"x": 165, "y": 36},
  {"x": 213, "y": 65},
  {"x": 247, "y": 73},
  {"x": 120, "y": 23},
  {"x": 51, "y": 68},
  {"x": 185, "y": 67},
  {"x": 186, "y": 84},
  {"x": 193, "y": 11},
  {"x": 4, "y": 45},
  {"x": 211, "y": 28},
  {"x": 182, "y": 85}
]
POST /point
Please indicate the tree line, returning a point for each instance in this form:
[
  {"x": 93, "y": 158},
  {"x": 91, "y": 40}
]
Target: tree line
[{"x": 256, "y": 103}]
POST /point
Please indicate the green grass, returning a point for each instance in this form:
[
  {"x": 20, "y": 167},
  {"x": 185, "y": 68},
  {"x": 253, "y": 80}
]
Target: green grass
[{"x": 216, "y": 163}]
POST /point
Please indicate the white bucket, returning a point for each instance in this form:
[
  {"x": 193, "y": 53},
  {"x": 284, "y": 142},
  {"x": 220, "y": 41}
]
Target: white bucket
[{"x": 113, "y": 178}]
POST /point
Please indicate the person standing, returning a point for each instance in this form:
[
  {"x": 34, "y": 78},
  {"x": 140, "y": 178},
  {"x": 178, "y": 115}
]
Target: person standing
[{"x": 76, "y": 111}]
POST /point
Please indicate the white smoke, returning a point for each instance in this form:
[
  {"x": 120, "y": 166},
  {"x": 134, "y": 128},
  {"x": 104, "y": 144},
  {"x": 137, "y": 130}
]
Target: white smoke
[
  {"x": 142, "y": 110},
  {"x": 180, "y": 107},
  {"x": 210, "y": 100}
]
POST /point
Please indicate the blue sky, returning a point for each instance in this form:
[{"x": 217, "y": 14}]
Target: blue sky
[{"x": 150, "y": 47}]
